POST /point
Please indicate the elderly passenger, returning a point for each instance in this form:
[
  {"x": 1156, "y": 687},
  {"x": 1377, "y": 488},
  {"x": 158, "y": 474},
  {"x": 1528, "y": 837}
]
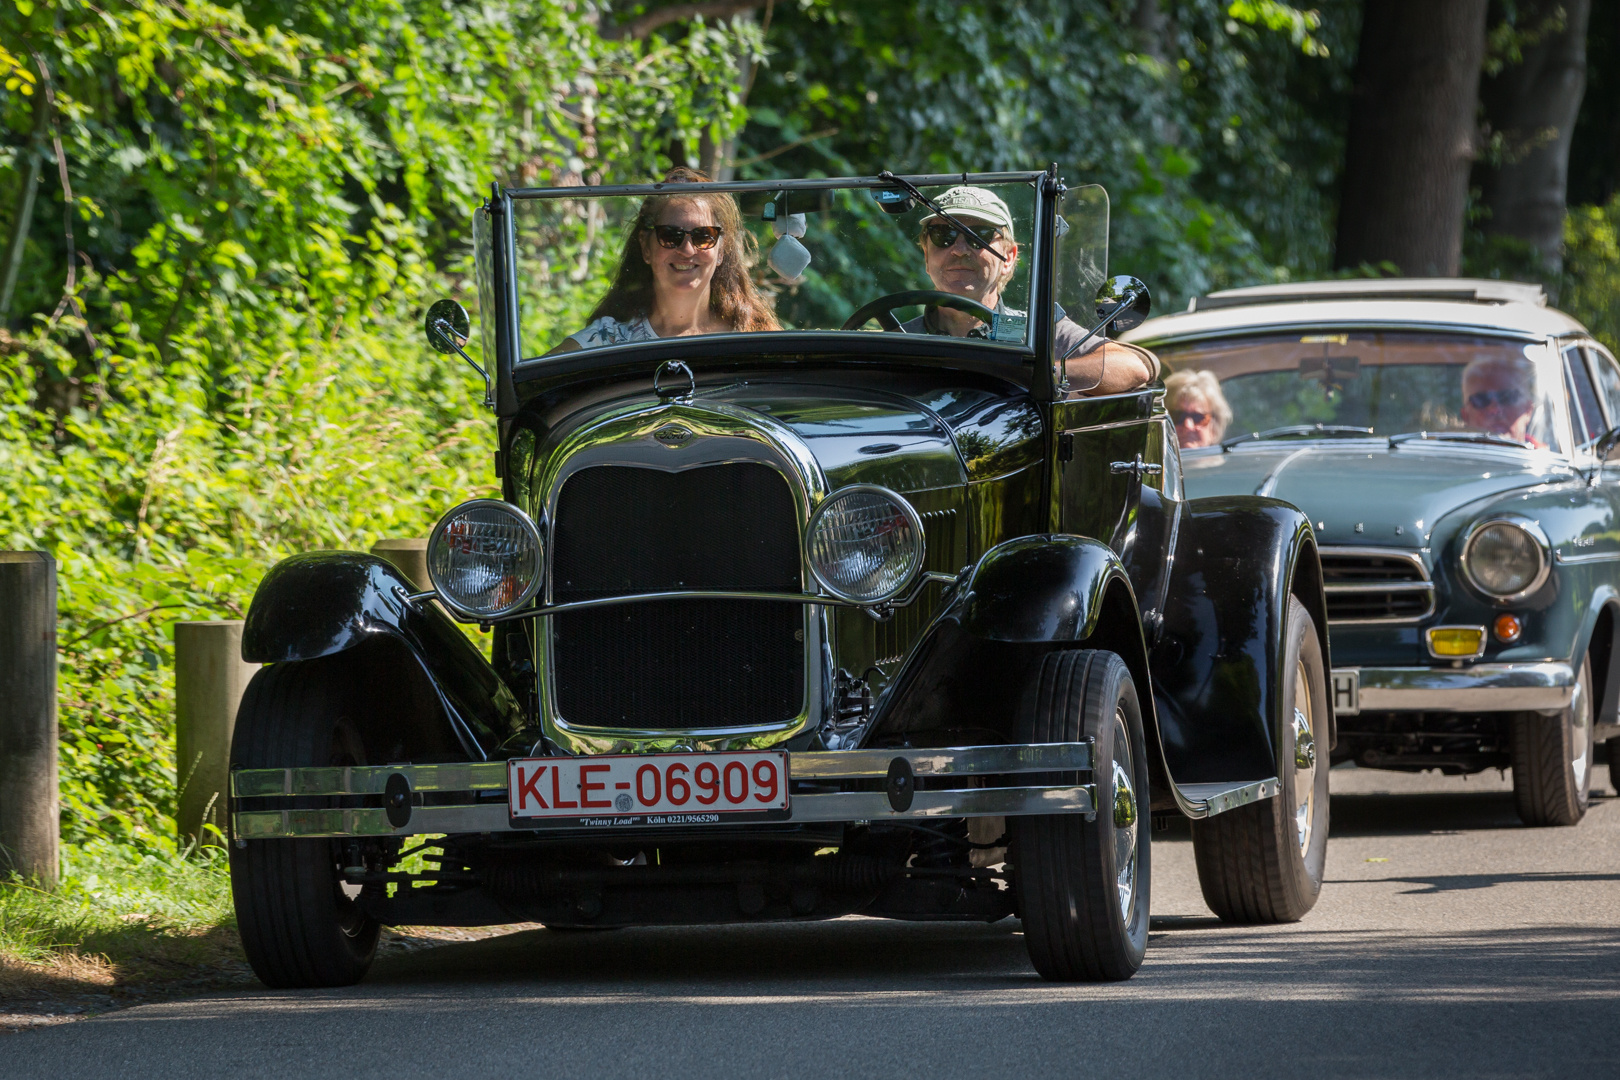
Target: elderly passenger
[
  {"x": 1499, "y": 396},
  {"x": 1197, "y": 408},
  {"x": 955, "y": 264}
]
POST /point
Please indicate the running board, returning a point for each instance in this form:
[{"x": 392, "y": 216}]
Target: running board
[{"x": 1206, "y": 800}]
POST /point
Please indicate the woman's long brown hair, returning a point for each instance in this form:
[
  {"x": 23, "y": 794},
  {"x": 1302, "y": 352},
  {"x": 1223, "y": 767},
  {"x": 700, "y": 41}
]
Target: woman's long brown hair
[{"x": 732, "y": 295}]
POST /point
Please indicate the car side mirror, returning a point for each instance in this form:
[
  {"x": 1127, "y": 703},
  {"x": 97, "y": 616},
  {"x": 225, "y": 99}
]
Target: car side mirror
[
  {"x": 447, "y": 327},
  {"x": 1607, "y": 448},
  {"x": 1123, "y": 302}
]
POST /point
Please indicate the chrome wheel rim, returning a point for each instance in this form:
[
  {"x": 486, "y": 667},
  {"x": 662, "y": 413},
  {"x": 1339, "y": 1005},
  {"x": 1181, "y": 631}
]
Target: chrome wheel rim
[
  {"x": 1580, "y": 734},
  {"x": 1304, "y": 761},
  {"x": 1123, "y": 806}
]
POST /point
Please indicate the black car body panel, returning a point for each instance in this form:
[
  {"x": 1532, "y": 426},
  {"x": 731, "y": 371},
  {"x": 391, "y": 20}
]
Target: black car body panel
[{"x": 322, "y": 603}]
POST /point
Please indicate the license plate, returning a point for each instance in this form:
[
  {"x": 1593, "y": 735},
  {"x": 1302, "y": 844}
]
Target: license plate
[
  {"x": 1347, "y": 691},
  {"x": 617, "y": 790}
]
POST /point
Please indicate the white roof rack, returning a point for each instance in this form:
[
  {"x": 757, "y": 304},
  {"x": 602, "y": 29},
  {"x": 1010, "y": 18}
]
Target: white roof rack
[{"x": 1466, "y": 290}]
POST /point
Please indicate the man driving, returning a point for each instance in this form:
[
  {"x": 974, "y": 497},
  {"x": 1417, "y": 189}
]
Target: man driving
[
  {"x": 1499, "y": 398},
  {"x": 957, "y": 264}
]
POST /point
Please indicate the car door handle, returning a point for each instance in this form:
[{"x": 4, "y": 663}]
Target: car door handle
[{"x": 1139, "y": 467}]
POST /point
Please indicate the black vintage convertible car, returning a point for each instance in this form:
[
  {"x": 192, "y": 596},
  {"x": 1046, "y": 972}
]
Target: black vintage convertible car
[{"x": 791, "y": 618}]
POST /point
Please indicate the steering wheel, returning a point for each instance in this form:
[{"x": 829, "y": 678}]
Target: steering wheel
[{"x": 883, "y": 307}]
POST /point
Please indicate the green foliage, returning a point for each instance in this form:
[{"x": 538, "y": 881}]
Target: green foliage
[
  {"x": 116, "y": 906},
  {"x": 1217, "y": 135},
  {"x": 1592, "y": 269},
  {"x": 264, "y": 199}
]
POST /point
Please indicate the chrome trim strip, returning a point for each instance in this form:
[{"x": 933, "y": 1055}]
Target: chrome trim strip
[
  {"x": 962, "y": 760},
  {"x": 1544, "y": 686},
  {"x": 839, "y": 806},
  {"x": 1381, "y": 586},
  {"x": 804, "y": 765},
  {"x": 971, "y": 802},
  {"x": 1390, "y": 585},
  {"x": 1219, "y": 798},
  {"x": 1577, "y": 560}
]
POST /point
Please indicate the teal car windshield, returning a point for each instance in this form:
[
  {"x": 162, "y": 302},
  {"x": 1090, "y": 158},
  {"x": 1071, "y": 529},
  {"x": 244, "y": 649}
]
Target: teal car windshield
[
  {"x": 622, "y": 269},
  {"x": 1365, "y": 382}
]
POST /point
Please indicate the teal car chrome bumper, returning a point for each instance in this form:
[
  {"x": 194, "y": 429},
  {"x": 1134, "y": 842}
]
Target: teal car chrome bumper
[{"x": 1545, "y": 686}]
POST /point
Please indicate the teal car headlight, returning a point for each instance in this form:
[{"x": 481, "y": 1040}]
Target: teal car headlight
[
  {"x": 486, "y": 558},
  {"x": 1506, "y": 558},
  {"x": 865, "y": 544}
]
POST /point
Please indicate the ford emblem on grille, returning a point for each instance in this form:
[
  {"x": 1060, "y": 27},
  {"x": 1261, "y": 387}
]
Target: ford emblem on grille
[{"x": 673, "y": 435}]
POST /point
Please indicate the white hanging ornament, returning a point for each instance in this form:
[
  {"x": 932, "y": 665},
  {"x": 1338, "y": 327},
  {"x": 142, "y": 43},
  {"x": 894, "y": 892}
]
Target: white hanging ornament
[{"x": 788, "y": 257}]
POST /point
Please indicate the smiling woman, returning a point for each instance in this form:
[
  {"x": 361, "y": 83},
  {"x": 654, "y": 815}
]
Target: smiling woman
[{"x": 684, "y": 270}]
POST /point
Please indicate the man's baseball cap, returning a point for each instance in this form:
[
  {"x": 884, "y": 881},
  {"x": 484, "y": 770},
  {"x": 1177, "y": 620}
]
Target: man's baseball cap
[{"x": 974, "y": 204}]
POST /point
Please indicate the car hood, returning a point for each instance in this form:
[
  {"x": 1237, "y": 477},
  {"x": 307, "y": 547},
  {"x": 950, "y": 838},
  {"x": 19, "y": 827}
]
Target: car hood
[{"x": 1366, "y": 492}]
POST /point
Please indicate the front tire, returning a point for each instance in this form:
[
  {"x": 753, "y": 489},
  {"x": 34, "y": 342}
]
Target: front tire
[
  {"x": 1083, "y": 885},
  {"x": 1552, "y": 759},
  {"x": 1264, "y": 862},
  {"x": 299, "y": 928}
]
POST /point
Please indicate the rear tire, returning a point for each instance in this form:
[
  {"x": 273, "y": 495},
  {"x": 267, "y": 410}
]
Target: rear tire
[
  {"x": 1552, "y": 760},
  {"x": 1264, "y": 862},
  {"x": 298, "y": 927},
  {"x": 1083, "y": 885}
]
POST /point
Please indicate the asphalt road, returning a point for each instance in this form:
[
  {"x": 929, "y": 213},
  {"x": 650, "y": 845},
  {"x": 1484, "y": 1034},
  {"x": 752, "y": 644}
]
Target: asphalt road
[{"x": 1449, "y": 942}]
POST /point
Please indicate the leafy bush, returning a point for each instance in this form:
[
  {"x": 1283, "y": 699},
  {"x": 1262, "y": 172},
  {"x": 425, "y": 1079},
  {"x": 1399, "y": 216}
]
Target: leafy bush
[
  {"x": 1591, "y": 290},
  {"x": 263, "y": 200}
]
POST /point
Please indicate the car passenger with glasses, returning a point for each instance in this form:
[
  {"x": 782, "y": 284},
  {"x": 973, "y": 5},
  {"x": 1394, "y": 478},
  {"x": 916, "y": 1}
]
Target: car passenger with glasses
[
  {"x": 1454, "y": 443},
  {"x": 970, "y": 250}
]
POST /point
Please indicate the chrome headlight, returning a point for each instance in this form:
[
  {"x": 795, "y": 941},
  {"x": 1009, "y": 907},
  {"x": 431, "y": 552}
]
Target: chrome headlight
[
  {"x": 486, "y": 558},
  {"x": 1506, "y": 558},
  {"x": 865, "y": 544}
]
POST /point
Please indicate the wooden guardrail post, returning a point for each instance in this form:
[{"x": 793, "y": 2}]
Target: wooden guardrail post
[
  {"x": 409, "y": 557},
  {"x": 29, "y": 815},
  {"x": 209, "y": 678}
]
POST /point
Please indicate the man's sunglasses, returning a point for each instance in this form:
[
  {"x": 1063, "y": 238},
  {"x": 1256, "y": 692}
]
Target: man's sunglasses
[
  {"x": 944, "y": 236},
  {"x": 1508, "y": 398},
  {"x": 703, "y": 237},
  {"x": 1191, "y": 416}
]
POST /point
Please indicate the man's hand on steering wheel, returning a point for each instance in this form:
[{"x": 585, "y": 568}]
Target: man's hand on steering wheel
[{"x": 882, "y": 309}]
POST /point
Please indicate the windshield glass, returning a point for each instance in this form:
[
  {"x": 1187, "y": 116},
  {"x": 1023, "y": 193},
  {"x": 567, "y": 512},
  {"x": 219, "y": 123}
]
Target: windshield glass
[
  {"x": 621, "y": 270},
  {"x": 1382, "y": 382}
]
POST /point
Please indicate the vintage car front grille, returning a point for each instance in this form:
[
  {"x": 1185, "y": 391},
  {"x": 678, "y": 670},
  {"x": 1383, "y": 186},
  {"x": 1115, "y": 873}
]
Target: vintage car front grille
[
  {"x": 677, "y": 664},
  {"x": 1368, "y": 585}
]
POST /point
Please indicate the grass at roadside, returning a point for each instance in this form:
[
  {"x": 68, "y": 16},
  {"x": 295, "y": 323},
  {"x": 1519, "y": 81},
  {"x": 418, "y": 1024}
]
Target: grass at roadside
[{"x": 123, "y": 919}]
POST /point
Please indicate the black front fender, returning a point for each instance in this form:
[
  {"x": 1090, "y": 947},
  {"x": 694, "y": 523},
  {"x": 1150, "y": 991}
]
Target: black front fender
[
  {"x": 1038, "y": 589},
  {"x": 1217, "y": 660},
  {"x": 324, "y": 603},
  {"x": 1024, "y": 598}
]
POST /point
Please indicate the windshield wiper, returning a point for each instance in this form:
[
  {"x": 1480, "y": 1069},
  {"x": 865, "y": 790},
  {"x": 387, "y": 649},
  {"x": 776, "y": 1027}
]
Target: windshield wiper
[
  {"x": 1320, "y": 430},
  {"x": 1458, "y": 436},
  {"x": 911, "y": 189}
]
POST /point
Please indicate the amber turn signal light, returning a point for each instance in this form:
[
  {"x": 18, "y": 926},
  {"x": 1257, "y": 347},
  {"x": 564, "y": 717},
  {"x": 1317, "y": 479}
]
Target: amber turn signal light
[
  {"x": 1456, "y": 642},
  {"x": 1507, "y": 628}
]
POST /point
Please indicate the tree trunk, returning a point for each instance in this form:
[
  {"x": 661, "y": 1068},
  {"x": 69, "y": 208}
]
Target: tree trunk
[
  {"x": 1412, "y": 135},
  {"x": 1533, "y": 105},
  {"x": 23, "y": 220}
]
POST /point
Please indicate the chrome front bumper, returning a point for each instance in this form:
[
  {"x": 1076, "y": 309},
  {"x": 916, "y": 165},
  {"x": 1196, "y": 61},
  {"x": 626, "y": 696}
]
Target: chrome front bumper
[
  {"x": 1544, "y": 687},
  {"x": 471, "y": 798}
]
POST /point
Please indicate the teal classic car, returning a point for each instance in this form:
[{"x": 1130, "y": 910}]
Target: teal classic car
[{"x": 1454, "y": 444}]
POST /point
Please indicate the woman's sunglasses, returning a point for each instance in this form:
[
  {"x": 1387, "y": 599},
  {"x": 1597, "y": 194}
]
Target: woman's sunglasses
[
  {"x": 944, "y": 236},
  {"x": 1189, "y": 416},
  {"x": 703, "y": 237}
]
